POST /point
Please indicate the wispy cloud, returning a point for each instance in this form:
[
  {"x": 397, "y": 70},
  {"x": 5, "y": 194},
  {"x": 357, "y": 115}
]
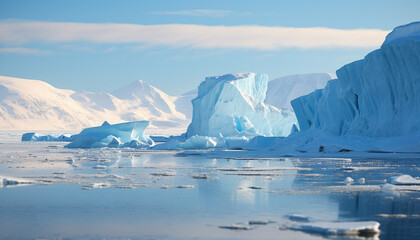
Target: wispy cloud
[
  {"x": 20, "y": 50},
  {"x": 197, "y": 13},
  {"x": 193, "y": 36}
]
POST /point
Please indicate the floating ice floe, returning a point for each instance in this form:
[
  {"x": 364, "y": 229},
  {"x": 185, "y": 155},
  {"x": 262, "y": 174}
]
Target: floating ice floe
[
  {"x": 405, "y": 180},
  {"x": 116, "y": 135},
  {"x": 298, "y": 218},
  {"x": 348, "y": 180},
  {"x": 37, "y": 137},
  {"x": 12, "y": 181},
  {"x": 368, "y": 228},
  {"x": 236, "y": 227}
]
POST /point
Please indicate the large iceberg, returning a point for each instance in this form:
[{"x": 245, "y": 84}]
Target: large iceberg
[
  {"x": 378, "y": 96},
  {"x": 233, "y": 105},
  {"x": 116, "y": 135}
]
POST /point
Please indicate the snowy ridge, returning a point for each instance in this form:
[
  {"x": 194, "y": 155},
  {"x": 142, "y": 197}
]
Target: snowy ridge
[
  {"x": 377, "y": 96},
  {"x": 36, "y": 105}
]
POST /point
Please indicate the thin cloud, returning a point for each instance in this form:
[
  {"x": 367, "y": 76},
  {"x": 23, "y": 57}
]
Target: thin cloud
[
  {"x": 197, "y": 13},
  {"x": 19, "y": 50},
  {"x": 193, "y": 36}
]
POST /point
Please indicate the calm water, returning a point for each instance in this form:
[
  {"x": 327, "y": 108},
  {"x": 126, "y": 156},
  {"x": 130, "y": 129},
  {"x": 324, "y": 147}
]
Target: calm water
[{"x": 126, "y": 194}]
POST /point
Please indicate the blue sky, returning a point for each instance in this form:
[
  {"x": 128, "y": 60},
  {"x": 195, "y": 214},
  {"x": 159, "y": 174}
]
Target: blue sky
[{"x": 102, "y": 45}]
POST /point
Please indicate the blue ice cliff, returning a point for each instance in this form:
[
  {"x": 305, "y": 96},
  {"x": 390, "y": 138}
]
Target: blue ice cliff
[
  {"x": 378, "y": 96},
  {"x": 233, "y": 105}
]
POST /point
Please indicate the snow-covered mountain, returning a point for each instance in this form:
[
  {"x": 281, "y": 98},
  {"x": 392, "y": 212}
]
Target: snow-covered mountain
[
  {"x": 281, "y": 91},
  {"x": 36, "y": 105}
]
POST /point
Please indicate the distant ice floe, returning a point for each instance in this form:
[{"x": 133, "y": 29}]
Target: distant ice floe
[
  {"x": 405, "y": 180},
  {"x": 12, "y": 181},
  {"x": 130, "y": 134},
  {"x": 368, "y": 228}
]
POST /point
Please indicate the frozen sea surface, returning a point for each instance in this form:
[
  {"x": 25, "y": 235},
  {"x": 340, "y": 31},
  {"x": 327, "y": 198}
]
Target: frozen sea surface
[{"x": 131, "y": 194}]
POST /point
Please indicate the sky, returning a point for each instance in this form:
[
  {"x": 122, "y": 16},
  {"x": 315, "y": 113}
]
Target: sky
[{"x": 103, "y": 45}]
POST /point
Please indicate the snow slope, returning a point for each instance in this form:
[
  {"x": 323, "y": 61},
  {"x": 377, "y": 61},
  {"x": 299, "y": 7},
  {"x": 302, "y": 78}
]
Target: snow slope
[
  {"x": 281, "y": 91},
  {"x": 233, "y": 105},
  {"x": 36, "y": 105},
  {"x": 378, "y": 96}
]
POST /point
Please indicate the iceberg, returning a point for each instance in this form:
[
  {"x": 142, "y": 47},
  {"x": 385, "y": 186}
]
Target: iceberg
[
  {"x": 115, "y": 135},
  {"x": 37, "y": 137},
  {"x": 378, "y": 96},
  {"x": 233, "y": 105}
]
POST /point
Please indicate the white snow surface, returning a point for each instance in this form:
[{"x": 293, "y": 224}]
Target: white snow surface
[
  {"x": 233, "y": 105},
  {"x": 36, "y": 105},
  {"x": 281, "y": 91},
  {"x": 378, "y": 96}
]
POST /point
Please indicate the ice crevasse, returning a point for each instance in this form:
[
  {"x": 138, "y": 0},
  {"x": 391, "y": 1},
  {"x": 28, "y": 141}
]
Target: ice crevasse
[
  {"x": 233, "y": 105},
  {"x": 378, "y": 96}
]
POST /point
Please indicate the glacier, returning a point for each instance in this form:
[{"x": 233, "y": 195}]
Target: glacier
[
  {"x": 130, "y": 134},
  {"x": 233, "y": 105},
  {"x": 377, "y": 96}
]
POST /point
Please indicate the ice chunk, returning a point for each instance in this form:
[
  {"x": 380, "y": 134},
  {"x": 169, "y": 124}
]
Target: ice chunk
[
  {"x": 233, "y": 105},
  {"x": 12, "y": 181},
  {"x": 199, "y": 142},
  {"x": 114, "y": 134},
  {"x": 405, "y": 180},
  {"x": 236, "y": 227},
  {"x": 348, "y": 180},
  {"x": 298, "y": 218},
  {"x": 377, "y": 96},
  {"x": 368, "y": 228},
  {"x": 36, "y": 137}
]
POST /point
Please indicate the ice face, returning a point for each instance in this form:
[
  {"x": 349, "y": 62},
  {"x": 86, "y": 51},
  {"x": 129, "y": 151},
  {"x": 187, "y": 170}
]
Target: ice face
[
  {"x": 376, "y": 96},
  {"x": 233, "y": 105},
  {"x": 403, "y": 34},
  {"x": 111, "y": 135}
]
